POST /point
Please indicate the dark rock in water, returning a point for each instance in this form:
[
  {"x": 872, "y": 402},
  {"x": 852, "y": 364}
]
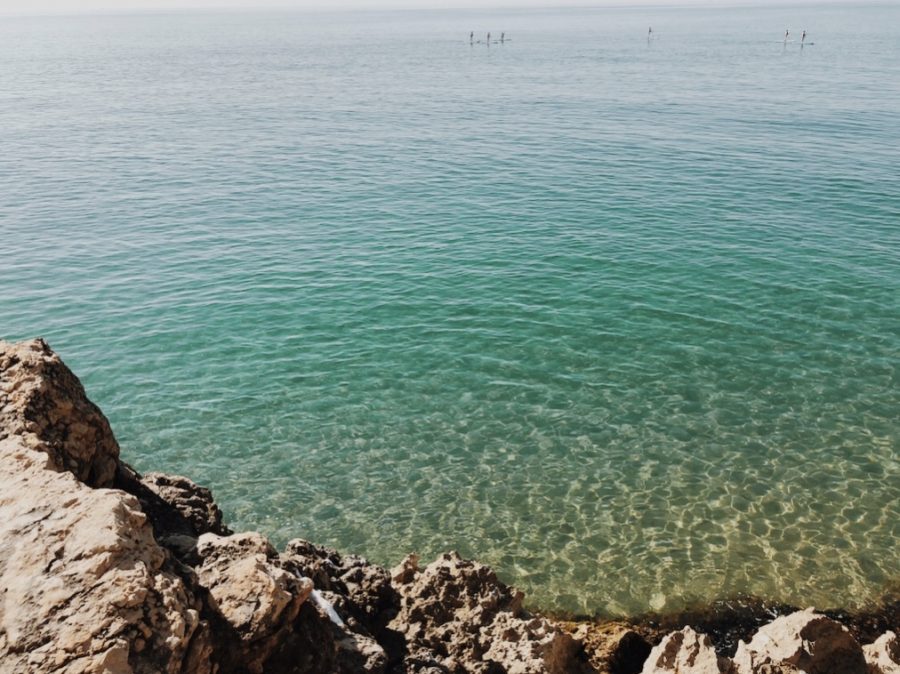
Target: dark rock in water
[
  {"x": 179, "y": 510},
  {"x": 869, "y": 623}
]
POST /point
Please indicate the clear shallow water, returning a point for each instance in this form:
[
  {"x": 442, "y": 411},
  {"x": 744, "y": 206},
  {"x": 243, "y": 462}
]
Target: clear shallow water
[{"x": 621, "y": 319}]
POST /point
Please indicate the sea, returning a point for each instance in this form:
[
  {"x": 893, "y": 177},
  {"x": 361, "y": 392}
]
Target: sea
[{"x": 611, "y": 304}]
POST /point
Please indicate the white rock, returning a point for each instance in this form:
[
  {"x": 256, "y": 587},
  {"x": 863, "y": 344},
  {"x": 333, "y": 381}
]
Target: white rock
[
  {"x": 883, "y": 656},
  {"x": 685, "y": 652}
]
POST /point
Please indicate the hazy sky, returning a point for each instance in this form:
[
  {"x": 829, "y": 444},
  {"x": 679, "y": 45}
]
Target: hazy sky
[{"x": 77, "y": 6}]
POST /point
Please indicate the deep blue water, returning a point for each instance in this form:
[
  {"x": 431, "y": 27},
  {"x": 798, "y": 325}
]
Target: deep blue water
[{"x": 619, "y": 317}]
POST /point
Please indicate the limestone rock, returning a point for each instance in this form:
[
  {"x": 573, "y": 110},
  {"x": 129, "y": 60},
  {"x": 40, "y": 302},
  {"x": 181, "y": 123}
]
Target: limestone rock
[
  {"x": 306, "y": 646},
  {"x": 685, "y": 652},
  {"x": 527, "y": 646},
  {"x": 85, "y": 586},
  {"x": 193, "y": 502},
  {"x": 456, "y": 616},
  {"x": 883, "y": 656},
  {"x": 44, "y": 404},
  {"x": 364, "y": 592},
  {"x": 405, "y": 572},
  {"x": 805, "y": 640},
  {"x": 358, "y": 593},
  {"x": 248, "y": 589},
  {"x": 359, "y": 654},
  {"x": 611, "y": 648}
]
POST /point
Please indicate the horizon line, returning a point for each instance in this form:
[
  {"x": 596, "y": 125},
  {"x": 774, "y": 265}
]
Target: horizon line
[{"x": 148, "y": 7}]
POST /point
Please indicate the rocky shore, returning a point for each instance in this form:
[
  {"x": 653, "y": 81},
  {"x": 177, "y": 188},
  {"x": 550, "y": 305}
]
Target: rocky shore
[{"x": 106, "y": 570}]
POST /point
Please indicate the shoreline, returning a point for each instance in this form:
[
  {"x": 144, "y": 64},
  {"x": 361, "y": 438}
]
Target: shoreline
[
  {"x": 728, "y": 621},
  {"x": 122, "y": 572}
]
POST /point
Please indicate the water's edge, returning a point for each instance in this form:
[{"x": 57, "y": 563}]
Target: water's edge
[{"x": 228, "y": 601}]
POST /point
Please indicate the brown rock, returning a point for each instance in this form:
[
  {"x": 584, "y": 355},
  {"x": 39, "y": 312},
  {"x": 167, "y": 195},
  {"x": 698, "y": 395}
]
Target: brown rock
[
  {"x": 804, "y": 640},
  {"x": 685, "y": 652},
  {"x": 611, "y": 648},
  {"x": 405, "y": 572},
  {"x": 528, "y": 646},
  {"x": 359, "y": 654},
  {"x": 255, "y": 604},
  {"x": 45, "y": 406},
  {"x": 191, "y": 501},
  {"x": 354, "y": 596},
  {"x": 361, "y": 591},
  {"x": 883, "y": 656},
  {"x": 85, "y": 586},
  {"x": 456, "y": 616},
  {"x": 247, "y": 588}
]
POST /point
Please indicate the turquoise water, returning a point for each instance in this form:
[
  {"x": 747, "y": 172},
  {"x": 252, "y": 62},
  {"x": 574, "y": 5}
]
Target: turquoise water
[{"x": 620, "y": 318}]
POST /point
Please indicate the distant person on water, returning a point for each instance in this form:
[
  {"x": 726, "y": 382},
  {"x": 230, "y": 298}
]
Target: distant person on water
[
  {"x": 488, "y": 38},
  {"x": 803, "y": 37},
  {"x": 502, "y": 38},
  {"x": 471, "y": 36},
  {"x": 786, "y": 33}
]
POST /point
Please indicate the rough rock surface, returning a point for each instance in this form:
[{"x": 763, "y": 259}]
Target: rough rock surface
[
  {"x": 355, "y": 597},
  {"x": 804, "y": 640},
  {"x": 246, "y": 586},
  {"x": 360, "y": 591},
  {"x": 685, "y": 652},
  {"x": 611, "y": 648},
  {"x": 457, "y": 617},
  {"x": 254, "y": 601},
  {"x": 44, "y": 405},
  {"x": 883, "y": 656},
  {"x": 192, "y": 502},
  {"x": 85, "y": 586}
]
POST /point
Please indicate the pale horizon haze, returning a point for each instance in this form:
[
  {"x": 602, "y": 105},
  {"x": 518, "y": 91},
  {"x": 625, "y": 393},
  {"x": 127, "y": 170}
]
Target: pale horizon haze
[{"x": 31, "y": 7}]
